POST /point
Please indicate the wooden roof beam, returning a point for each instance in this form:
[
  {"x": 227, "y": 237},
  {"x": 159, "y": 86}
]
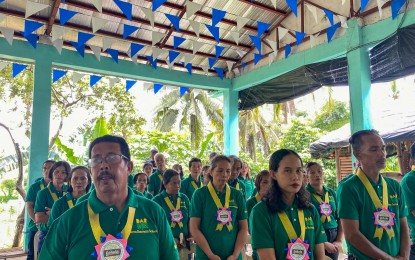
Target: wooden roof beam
[{"x": 52, "y": 16}]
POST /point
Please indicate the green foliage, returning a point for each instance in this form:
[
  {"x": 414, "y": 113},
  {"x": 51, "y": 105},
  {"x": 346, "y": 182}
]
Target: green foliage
[
  {"x": 392, "y": 164},
  {"x": 332, "y": 116},
  {"x": 261, "y": 163},
  {"x": 8, "y": 187}
]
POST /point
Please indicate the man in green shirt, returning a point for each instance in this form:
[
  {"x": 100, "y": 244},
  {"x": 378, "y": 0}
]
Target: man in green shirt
[
  {"x": 408, "y": 189},
  {"x": 39, "y": 185},
  {"x": 371, "y": 207},
  {"x": 157, "y": 176},
  {"x": 192, "y": 182},
  {"x": 113, "y": 222}
]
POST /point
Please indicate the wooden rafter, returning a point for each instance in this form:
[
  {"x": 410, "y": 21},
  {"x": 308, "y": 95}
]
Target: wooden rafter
[
  {"x": 170, "y": 31},
  {"x": 52, "y": 16},
  {"x": 264, "y": 7}
]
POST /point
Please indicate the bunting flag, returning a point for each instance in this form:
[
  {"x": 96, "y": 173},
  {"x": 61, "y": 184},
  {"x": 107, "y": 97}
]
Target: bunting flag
[
  {"x": 149, "y": 14},
  {"x": 2, "y": 1},
  {"x": 292, "y": 4},
  {"x": 134, "y": 59},
  {"x": 156, "y": 37},
  {"x": 129, "y": 84},
  {"x": 157, "y": 4},
  {"x": 329, "y": 15},
  {"x": 65, "y": 15},
  {"x": 33, "y": 7},
  {"x": 80, "y": 48},
  {"x": 156, "y": 52},
  {"x": 257, "y": 57},
  {"x": 97, "y": 23},
  {"x": 219, "y": 50},
  {"x": 157, "y": 87},
  {"x": 230, "y": 64},
  {"x": 188, "y": 58},
  {"x": 31, "y": 38},
  {"x": 241, "y": 22},
  {"x": 343, "y": 21},
  {"x": 236, "y": 71},
  {"x": 114, "y": 54},
  {"x": 113, "y": 81},
  {"x": 281, "y": 32},
  {"x": 299, "y": 36},
  {"x": 94, "y": 80},
  {"x": 126, "y": 8},
  {"x": 331, "y": 30},
  {"x": 128, "y": 30},
  {"x": 175, "y": 21},
  {"x": 313, "y": 11},
  {"x": 2, "y": 17},
  {"x": 287, "y": 50},
  {"x": 98, "y": 5},
  {"x": 217, "y": 16},
  {"x": 84, "y": 37},
  {"x": 243, "y": 64},
  {"x": 205, "y": 69},
  {"x": 189, "y": 67},
  {"x": 192, "y": 8},
  {"x": 17, "y": 68},
  {"x": 107, "y": 43},
  {"x": 135, "y": 48},
  {"x": 58, "y": 74},
  {"x": 173, "y": 55},
  {"x": 76, "y": 77},
  {"x": 152, "y": 61},
  {"x": 262, "y": 27},
  {"x": 214, "y": 31},
  {"x": 235, "y": 36},
  {"x": 257, "y": 42},
  {"x": 196, "y": 46},
  {"x": 58, "y": 44},
  {"x": 177, "y": 41},
  {"x": 195, "y": 26},
  {"x": 274, "y": 3},
  {"x": 58, "y": 32},
  {"x": 273, "y": 45},
  {"x": 241, "y": 53},
  {"x": 212, "y": 62},
  {"x": 363, "y": 4},
  {"x": 97, "y": 51},
  {"x": 313, "y": 39},
  {"x": 3, "y": 65},
  {"x": 219, "y": 71},
  {"x": 183, "y": 90},
  {"x": 271, "y": 58},
  {"x": 396, "y": 5},
  {"x": 8, "y": 34},
  {"x": 30, "y": 27},
  {"x": 380, "y": 3}
]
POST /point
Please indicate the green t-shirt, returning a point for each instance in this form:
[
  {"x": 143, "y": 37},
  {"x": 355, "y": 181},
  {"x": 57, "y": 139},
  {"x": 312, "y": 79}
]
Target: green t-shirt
[
  {"x": 334, "y": 216},
  {"x": 267, "y": 230},
  {"x": 184, "y": 208},
  {"x": 60, "y": 206},
  {"x": 222, "y": 243},
  {"x": 154, "y": 184},
  {"x": 356, "y": 204},
  {"x": 187, "y": 187},
  {"x": 44, "y": 199},
  {"x": 84, "y": 197},
  {"x": 31, "y": 197},
  {"x": 150, "y": 238},
  {"x": 238, "y": 185},
  {"x": 408, "y": 190},
  {"x": 147, "y": 195},
  {"x": 249, "y": 186}
]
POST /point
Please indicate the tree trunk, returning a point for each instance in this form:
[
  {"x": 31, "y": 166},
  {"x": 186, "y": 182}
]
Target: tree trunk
[
  {"x": 193, "y": 132},
  {"x": 19, "y": 229}
]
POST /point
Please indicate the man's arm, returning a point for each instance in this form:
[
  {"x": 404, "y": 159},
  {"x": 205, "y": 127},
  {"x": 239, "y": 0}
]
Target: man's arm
[
  {"x": 266, "y": 253},
  {"x": 405, "y": 240},
  {"x": 30, "y": 207}
]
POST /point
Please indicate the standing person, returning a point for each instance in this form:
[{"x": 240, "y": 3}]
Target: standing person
[
  {"x": 148, "y": 168},
  {"x": 408, "y": 189},
  {"x": 30, "y": 205},
  {"x": 141, "y": 182},
  {"x": 285, "y": 225},
  {"x": 205, "y": 176},
  {"x": 371, "y": 207},
  {"x": 176, "y": 205},
  {"x": 79, "y": 184},
  {"x": 152, "y": 159},
  {"x": 245, "y": 178},
  {"x": 45, "y": 198},
  {"x": 218, "y": 216},
  {"x": 156, "y": 178},
  {"x": 113, "y": 222},
  {"x": 178, "y": 168},
  {"x": 192, "y": 182},
  {"x": 235, "y": 172},
  {"x": 324, "y": 199}
]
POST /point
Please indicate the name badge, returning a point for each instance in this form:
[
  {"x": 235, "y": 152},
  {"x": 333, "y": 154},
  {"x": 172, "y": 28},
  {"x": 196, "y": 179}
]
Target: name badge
[
  {"x": 384, "y": 218},
  {"x": 176, "y": 216},
  {"x": 112, "y": 249},
  {"x": 224, "y": 216},
  {"x": 325, "y": 209},
  {"x": 298, "y": 250}
]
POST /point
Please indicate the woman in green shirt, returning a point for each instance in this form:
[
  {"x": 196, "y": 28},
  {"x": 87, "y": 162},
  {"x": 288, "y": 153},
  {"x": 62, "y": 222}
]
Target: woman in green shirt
[
  {"x": 285, "y": 225},
  {"x": 141, "y": 182},
  {"x": 245, "y": 177}
]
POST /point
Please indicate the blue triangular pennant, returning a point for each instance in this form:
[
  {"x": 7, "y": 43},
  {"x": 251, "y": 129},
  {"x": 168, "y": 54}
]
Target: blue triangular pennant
[
  {"x": 126, "y": 8},
  {"x": 217, "y": 16},
  {"x": 17, "y": 68},
  {"x": 114, "y": 54},
  {"x": 396, "y": 5},
  {"x": 219, "y": 50},
  {"x": 299, "y": 36},
  {"x": 177, "y": 41},
  {"x": 257, "y": 42},
  {"x": 189, "y": 68},
  {"x": 135, "y": 48},
  {"x": 293, "y": 5},
  {"x": 31, "y": 38},
  {"x": 175, "y": 21},
  {"x": 31, "y": 26},
  {"x": 157, "y": 4},
  {"x": 152, "y": 62},
  {"x": 262, "y": 27},
  {"x": 243, "y": 65},
  {"x": 157, "y": 87},
  {"x": 287, "y": 50},
  {"x": 128, "y": 30},
  {"x": 219, "y": 71},
  {"x": 84, "y": 37},
  {"x": 212, "y": 62},
  {"x": 57, "y": 74},
  {"x": 183, "y": 90},
  {"x": 331, "y": 30},
  {"x": 65, "y": 15},
  {"x": 129, "y": 84},
  {"x": 80, "y": 48},
  {"x": 257, "y": 58},
  {"x": 173, "y": 55},
  {"x": 329, "y": 15},
  {"x": 214, "y": 31},
  {"x": 1, "y": 1},
  {"x": 93, "y": 79},
  {"x": 363, "y": 4}
]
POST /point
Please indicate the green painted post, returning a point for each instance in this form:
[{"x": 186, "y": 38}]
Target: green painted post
[{"x": 230, "y": 123}]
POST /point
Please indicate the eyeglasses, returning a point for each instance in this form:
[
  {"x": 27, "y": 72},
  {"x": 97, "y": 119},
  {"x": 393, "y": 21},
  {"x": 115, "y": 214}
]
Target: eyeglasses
[{"x": 110, "y": 159}]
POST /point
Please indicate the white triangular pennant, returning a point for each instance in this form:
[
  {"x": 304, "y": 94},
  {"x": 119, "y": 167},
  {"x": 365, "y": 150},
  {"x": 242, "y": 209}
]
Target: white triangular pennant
[
  {"x": 58, "y": 43},
  {"x": 107, "y": 43},
  {"x": 76, "y": 76},
  {"x": 195, "y": 26},
  {"x": 98, "y": 5},
  {"x": 281, "y": 32},
  {"x": 97, "y": 51},
  {"x": 8, "y": 34},
  {"x": 134, "y": 59},
  {"x": 313, "y": 39},
  {"x": 380, "y": 3},
  {"x": 170, "y": 65},
  {"x": 205, "y": 69},
  {"x": 271, "y": 57},
  {"x": 188, "y": 58},
  {"x": 156, "y": 37},
  {"x": 2, "y": 17},
  {"x": 196, "y": 91},
  {"x": 3, "y": 64},
  {"x": 273, "y": 45},
  {"x": 33, "y": 7},
  {"x": 241, "y": 22},
  {"x": 241, "y": 53},
  {"x": 343, "y": 21},
  {"x": 113, "y": 81},
  {"x": 343, "y": 1},
  {"x": 235, "y": 36},
  {"x": 274, "y": 3},
  {"x": 98, "y": 23},
  {"x": 236, "y": 71},
  {"x": 313, "y": 10},
  {"x": 192, "y": 8},
  {"x": 58, "y": 32},
  {"x": 196, "y": 46},
  {"x": 157, "y": 52},
  {"x": 230, "y": 64},
  {"x": 149, "y": 14}
]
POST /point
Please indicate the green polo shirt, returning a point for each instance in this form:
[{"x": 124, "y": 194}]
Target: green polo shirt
[
  {"x": 249, "y": 186},
  {"x": 84, "y": 197},
  {"x": 44, "y": 199},
  {"x": 250, "y": 203},
  {"x": 147, "y": 195},
  {"x": 187, "y": 187},
  {"x": 150, "y": 238},
  {"x": 154, "y": 184},
  {"x": 184, "y": 207},
  {"x": 355, "y": 203},
  {"x": 222, "y": 243},
  {"x": 31, "y": 197},
  {"x": 408, "y": 190},
  {"x": 131, "y": 183},
  {"x": 267, "y": 230},
  {"x": 238, "y": 185},
  {"x": 60, "y": 206},
  {"x": 334, "y": 216}
]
